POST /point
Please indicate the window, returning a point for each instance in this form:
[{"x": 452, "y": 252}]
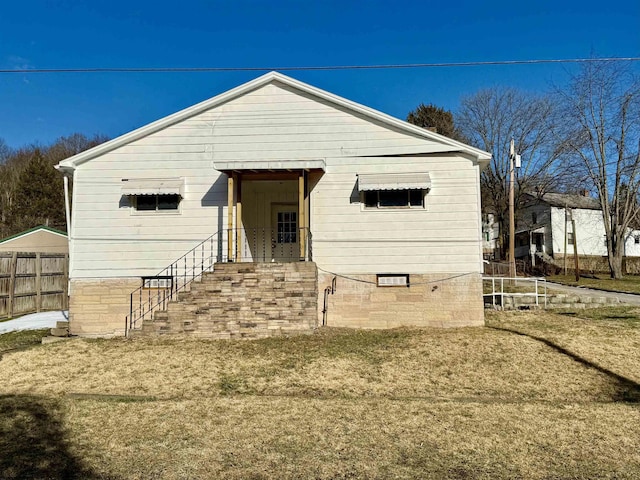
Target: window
[
  {"x": 637, "y": 240},
  {"x": 394, "y": 198},
  {"x": 159, "y": 282},
  {"x": 534, "y": 217},
  {"x": 392, "y": 280},
  {"x": 570, "y": 238},
  {"x": 157, "y": 203},
  {"x": 287, "y": 224}
]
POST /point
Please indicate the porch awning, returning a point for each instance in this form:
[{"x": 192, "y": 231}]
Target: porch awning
[
  {"x": 270, "y": 165},
  {"x": 394, "y": 181},
  {"x": 152, "y": 186}
]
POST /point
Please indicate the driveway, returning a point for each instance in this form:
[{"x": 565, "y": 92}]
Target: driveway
[
  {"x": 34, "y": 321},
  {"x": 626, "y": 298}
]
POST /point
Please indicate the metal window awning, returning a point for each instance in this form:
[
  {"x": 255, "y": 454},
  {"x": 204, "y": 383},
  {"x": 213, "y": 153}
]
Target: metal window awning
[
  {"x": 394, "y": 181},
  {"x": 151, "y": 186},
  {"x": 270, "y": 165}
]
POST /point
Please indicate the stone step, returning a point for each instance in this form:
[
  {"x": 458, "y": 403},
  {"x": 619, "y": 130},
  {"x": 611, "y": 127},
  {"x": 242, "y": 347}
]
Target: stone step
[
  {"x": 243, "y": 300},
  {"x": 62, "y": 324},
  {"x": 60, "y": 332}
]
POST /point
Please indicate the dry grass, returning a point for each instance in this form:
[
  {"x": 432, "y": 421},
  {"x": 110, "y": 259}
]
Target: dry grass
[
  {"x": 628, "y": 284},
  {"x": 557, "y": 399}
]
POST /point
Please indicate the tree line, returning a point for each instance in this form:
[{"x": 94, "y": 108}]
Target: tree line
[
  {"x": 32, "y": 191},
  {"x": 584, "y": 135}
]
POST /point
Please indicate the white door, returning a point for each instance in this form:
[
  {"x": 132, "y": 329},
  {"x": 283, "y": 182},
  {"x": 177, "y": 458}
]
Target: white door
[{"x": 285, "y": 234}]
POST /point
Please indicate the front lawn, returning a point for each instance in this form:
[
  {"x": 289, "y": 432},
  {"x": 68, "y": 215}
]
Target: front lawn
[
  {"x": 532, "y": 395},
  {"x": 627, "y": 284}
]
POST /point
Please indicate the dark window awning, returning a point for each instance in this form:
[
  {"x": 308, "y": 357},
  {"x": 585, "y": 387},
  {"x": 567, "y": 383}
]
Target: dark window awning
[
  {"x": 152, "y": 186},
  {"x": 394, "y": 181}
]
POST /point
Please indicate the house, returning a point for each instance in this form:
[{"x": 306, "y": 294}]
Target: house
[
  {"x": 546, "y": 217},
  {"x": 40, "y": 239},
  {"x": 286, "y": 192},
  {"x": 490, "y": 233}
]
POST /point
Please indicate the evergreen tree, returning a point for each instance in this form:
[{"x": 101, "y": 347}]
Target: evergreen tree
[
  {"x": 437, "y": 119},
  {"x": 39, "y": 196}
]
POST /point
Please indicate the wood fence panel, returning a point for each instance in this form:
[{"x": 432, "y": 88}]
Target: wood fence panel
[{"x": 32, "y": 282}]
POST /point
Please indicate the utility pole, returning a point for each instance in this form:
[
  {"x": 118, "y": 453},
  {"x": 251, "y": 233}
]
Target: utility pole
[
  {"x": 566, "y": 235},
  {"x": 575, "y": 248},
  {"x": 512, "y": 222}
]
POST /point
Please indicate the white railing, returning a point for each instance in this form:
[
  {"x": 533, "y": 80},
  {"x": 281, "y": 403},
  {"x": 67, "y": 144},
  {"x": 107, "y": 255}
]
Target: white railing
[{"x": 533, "y": 286}]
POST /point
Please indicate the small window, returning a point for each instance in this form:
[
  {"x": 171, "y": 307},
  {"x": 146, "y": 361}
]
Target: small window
[
  {"x": 570, "y": 238},
  {"x": 155, "y": 203},
  {"x": 534, "y": 217},
  {"x": 392, "y": 280},
  {"x": 637, "y": 240},
  {"x": 157, "y": 283},
  {"x": 394, "y": 198}
]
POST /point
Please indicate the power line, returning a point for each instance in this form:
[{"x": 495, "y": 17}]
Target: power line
[{"x": 312, "y": 68}]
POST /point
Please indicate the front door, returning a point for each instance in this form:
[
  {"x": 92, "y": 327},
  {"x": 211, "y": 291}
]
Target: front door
[
  {"x": 285, "y": 241},
  {"x": 538, "y": 239}
]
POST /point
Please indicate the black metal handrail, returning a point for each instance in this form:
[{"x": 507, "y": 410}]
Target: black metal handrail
[
  {"x": 157, "y": 290},
  {"x": 247, "y": 245}
]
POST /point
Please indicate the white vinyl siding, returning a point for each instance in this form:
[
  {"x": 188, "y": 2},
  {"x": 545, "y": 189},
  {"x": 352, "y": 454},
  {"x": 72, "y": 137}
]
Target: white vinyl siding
[
  {"x": 444, "y": 237},
  {"x": 274, "y": 123},
  {"x": 590, "y": 232}
]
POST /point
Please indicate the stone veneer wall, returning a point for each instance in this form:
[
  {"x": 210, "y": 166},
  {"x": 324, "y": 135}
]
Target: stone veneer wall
[
  {"x": 429, "y": 301},
  {"x": 97, "y": 308}
]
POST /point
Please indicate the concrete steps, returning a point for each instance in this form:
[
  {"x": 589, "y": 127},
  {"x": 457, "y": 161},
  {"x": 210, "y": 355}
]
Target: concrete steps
[{"x": 58, "y": 333}]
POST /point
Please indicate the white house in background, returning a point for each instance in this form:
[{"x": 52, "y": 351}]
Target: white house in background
[
  {"x": 545, "y": 218},
  {"x": 490, "y": 233},
  {"x": 275, "y": 172}
]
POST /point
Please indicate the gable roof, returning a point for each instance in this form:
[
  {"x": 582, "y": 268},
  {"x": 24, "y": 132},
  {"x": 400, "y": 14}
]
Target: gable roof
[
  {"x": 33, "y": 230},
  {"x": 71, "y": 163},
  {"x": 564, "y": 200}
]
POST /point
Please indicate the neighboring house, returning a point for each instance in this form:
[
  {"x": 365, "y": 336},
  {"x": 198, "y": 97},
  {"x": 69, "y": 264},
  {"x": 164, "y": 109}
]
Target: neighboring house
[
  {"x": 36, "y": 240},
  {"x": 544, "y": 219},
  {"x": 490, "y": 233},
  {"x": 275, "y": 172}
]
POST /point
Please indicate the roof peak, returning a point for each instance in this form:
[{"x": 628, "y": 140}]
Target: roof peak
[{"x": 71, "y": 163}]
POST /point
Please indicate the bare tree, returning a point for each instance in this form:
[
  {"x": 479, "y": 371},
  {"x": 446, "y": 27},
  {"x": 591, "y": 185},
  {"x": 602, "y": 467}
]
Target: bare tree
[
  {"x": 599, "y": 140},
  {"x": 489, "y": 119},
  {"x": 5, "y": 151}
]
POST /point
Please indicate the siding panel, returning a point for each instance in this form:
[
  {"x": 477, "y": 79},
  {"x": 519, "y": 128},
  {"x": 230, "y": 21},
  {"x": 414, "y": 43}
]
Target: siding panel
[{"x": 110, "y": 240}]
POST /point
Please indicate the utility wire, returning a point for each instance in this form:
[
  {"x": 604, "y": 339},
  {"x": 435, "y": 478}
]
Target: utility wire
[{"x": 311, "y": 68}]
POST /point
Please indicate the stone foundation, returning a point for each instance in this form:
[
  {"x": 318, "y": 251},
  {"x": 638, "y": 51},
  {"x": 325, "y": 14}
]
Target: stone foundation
[
  {"x": 97, "y": 308},
  {"x": 433, "y": 300}
]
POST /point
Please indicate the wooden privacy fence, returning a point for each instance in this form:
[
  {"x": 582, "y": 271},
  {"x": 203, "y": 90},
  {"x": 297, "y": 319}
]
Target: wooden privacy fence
[{"x": 33, "y": 282}]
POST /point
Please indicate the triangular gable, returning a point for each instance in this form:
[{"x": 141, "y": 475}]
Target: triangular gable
[
  {"x": 33, "y": 230},
  {"x": 448, "y": 145}
]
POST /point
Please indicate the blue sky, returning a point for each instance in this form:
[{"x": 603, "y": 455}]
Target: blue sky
[{"x": 75, "y": 34}]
